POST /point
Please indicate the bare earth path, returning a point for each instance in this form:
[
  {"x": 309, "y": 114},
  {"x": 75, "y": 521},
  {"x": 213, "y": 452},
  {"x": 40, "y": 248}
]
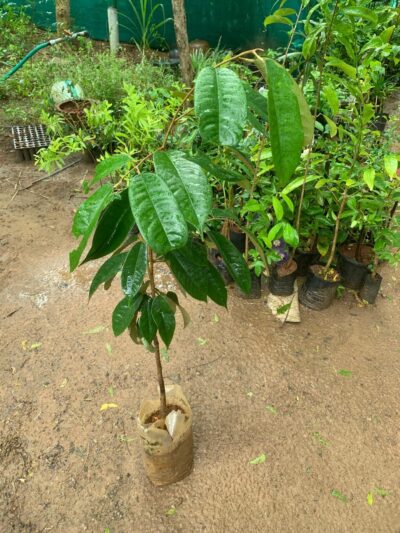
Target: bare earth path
[{"x": 67, "y": 467}]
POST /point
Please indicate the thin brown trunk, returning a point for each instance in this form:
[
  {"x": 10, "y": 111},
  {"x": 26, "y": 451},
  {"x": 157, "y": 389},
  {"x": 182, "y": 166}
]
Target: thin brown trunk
[
  {"x": 359, "y": 243},
  {"x": 161, "y": 383},
  {"x": 336, "y": 234},
  {"x": 182, "y": 40},
  {"x": 63, "y": 15}
]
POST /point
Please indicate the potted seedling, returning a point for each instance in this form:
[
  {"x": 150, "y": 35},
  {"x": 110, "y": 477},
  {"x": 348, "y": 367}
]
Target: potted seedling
[{"x": 164, "y": 214}]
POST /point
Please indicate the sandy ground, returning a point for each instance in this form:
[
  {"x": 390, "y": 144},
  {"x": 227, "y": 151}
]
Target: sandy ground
[{"x": 255, "y": 387}]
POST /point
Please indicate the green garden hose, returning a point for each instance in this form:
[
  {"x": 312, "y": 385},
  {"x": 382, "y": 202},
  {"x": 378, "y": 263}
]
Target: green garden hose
[{"x": 35, "y": 50}]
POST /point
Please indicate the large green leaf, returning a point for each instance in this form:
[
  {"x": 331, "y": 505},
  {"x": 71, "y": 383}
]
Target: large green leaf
[
  {"x": 147, "y": 326},
  {"x": 307, "y": 120},
  {"x": 107, "y": 271},
  {"x": 220, "y": 104},
  {"x": 233, "y": 260},
  {"x": 188, "y": 183},
  {"x": 164, "y": 318},
  {"x": 124, "y": 312},
  {"x": 349, "y": 70},
  {"x": 134, "y": 269},
  {"x": 114, "y": 225},
  {"x": 196, "y": 274},
  {"x": 286, "y": 129},
  {"x": 361, "y": 12},
  {"x": 86, "y": 218},
  {"x": 108, "y": 166},
  {"x": 157, "y": 214}
]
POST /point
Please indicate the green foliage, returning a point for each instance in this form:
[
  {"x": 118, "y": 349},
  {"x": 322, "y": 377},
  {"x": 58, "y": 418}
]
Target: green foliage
[
  {"x": 145, "y": 24},
  {"x": 220, "y": 103}
]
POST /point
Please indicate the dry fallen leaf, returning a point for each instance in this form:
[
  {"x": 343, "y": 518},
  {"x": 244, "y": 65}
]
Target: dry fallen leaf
[
  {"x": 97, "y": 329},
  {"x": 106, "y": 406}
]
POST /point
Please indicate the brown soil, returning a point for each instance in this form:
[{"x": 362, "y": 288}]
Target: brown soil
[
  {"x": 332, "y": 275},
  {"x": 365, "y": 254},
  {"x": 255, "y": 388},
  {"x": 286, "y": 269},
  {"x": 157, "y": 416},
  {"x": 74, "y": 106}
]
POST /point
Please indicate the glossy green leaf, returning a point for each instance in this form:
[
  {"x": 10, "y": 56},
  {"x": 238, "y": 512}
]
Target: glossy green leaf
[
  {"x": 157, "y": 214},
  {"x": 332, "y": 126},
  {"x": 279, "y": 212},
  {"x": 124, "y": 312},
  {"x": 349, "y": 70},
  {"x": 196, "y": 275},
  {"x": 107, "y": 271},
  {"x": 307, "y": 119},
  {"x": 369, "y": 177},
  {"x": 188, "y": 183},
  {"x": 309, "y": 46},
  {"x": 290, "y": 236},
  {"x": 391, "y": 164},
  {"x": 108, "y": 166},
  {"x": 298, "y": 182},
  {"x": 332, "y": 98},
  {"x": 86, "y": 218},
  {"x": 164, "y": 318},
  {"x": 221, "y": 106},
  {"x": 276, "y": 19},
  {"x": 114, "y": 225},
  {"x": 134, "y": 269},
  {"x": 147, "y": 326},
  {"x": 233, "y": 260},
  {"x": 286, "y": 129},
  {"x": 361, "y": 12}
]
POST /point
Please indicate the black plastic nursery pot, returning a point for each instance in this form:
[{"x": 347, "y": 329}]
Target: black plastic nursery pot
[
  {"x": 304, "y": 260},
  {"x": 216, "y": 259},
  {"x": 238, "y": 239},
  {"x": 380, "y": 122},
  {"x": 281, "y": 281},
  {"x": 353, "y": 271},
  {"x": 371, "y": 287},
  {"x": 255, "y": 292},
  {"x": 318, "y": 293}
]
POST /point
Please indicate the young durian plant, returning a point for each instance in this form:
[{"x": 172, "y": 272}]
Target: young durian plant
[{"x": 165, "y": 214}]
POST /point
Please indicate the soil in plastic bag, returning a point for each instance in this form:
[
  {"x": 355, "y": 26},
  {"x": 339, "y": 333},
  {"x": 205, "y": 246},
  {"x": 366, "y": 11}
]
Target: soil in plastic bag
[
  {"x": 316, "y": 292},
  {"x": 167, "y": 444},
  {"x": 281, "y": 282},
  {"x": 371, "y": 287},
  {"x": 352, "y": 270},
  {"x": 255, "y": 292}
]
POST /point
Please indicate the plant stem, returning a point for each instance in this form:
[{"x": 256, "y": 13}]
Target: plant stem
[
  {"x": 161, "y": 383},
  {"x": 293, "y": 33},
  {"x": 336, "y": 234},
  {"x": 318, "y": 100},
  {"x": 252, "y": 190}
]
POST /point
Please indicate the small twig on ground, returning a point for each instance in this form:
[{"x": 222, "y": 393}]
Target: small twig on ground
[
  {"x": 52, "y": 174},
  {"x": 16, "y": 191},
  {"x": 12, "y": 313}
]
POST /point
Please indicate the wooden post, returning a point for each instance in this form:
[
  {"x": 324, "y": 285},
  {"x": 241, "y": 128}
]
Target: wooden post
[
  {"x": 63, "y": 15},
  {"x": 182, "y": 40}
]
